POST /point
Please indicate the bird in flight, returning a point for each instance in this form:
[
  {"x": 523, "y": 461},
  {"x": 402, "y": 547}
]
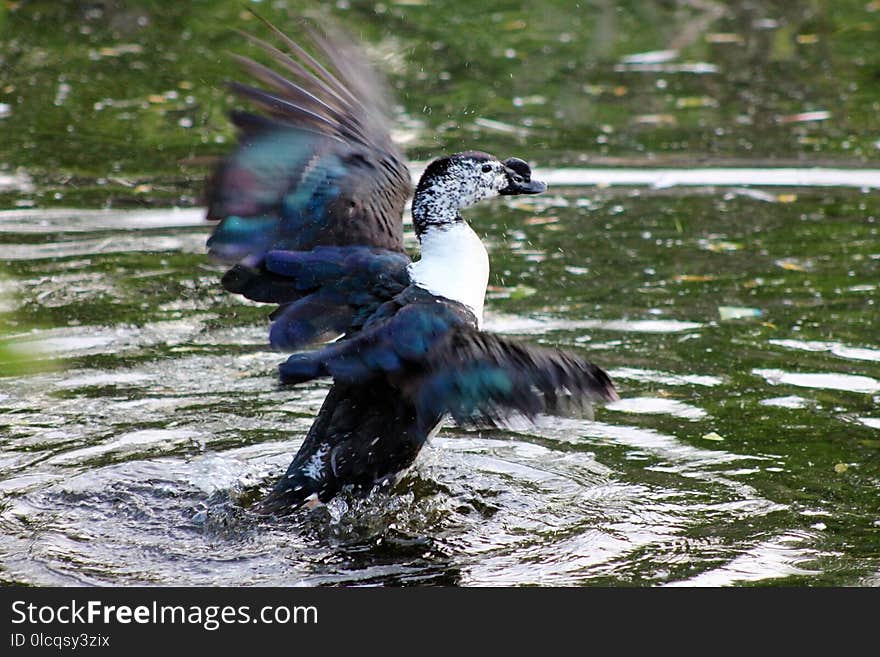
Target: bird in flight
[{"x": 310, "y": 207}]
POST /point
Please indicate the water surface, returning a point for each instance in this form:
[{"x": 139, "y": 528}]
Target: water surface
[{"x": 140, "y": 413}]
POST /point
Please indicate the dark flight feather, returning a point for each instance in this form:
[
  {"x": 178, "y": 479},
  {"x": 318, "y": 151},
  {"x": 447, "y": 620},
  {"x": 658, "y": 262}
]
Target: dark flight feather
[
  {"x": 316, "y": 166},
  {"x": 432, "y": 352}
]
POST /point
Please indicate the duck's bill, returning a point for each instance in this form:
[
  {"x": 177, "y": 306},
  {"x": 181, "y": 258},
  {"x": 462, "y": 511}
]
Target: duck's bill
[
  {"x": 519, "y": 178},
  {"x": 524, "y": 187}
]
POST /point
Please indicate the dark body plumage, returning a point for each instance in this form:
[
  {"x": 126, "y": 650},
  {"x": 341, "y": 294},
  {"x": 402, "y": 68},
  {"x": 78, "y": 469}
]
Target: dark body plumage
[{"x": 311, "y": 206}]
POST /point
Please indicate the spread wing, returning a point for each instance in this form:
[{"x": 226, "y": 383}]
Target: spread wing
[
  {"x": 314, "y": 166},
  {"x": 481, "y": 378},
  {"x": 433, "y": 353},
  {"x": 328, "y": 291}
]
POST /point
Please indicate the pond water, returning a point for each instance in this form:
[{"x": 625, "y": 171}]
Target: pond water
[{"x": 140, "y": 412}]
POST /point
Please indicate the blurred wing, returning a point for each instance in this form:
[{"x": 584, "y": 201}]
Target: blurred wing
[
  {"x": 481, "y": 378},
  {"x": 316, "y": 166},
  {"x": 435, "y": 355}
]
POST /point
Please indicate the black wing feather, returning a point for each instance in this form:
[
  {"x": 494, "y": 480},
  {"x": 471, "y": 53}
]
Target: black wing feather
[
  {"x": 316, "y": 166},
  {"x": 432, "y": 351}
]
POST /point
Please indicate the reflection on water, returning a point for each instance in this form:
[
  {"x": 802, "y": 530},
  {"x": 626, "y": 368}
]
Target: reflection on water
[
  {"x": 710, "y": 238},
  {"x": 136, "y": 459},
  {"x": 137, "y": 92},
  {"x": 850, "y": 382}
]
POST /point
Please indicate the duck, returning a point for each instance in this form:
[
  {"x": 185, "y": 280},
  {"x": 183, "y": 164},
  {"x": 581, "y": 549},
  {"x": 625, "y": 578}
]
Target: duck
[{"x": 310, "y": 205}]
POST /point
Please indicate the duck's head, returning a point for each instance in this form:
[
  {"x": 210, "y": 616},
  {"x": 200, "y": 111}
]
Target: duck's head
[
  {"x": 472, "y": 176},
  {"x": 457, "y": 181}
]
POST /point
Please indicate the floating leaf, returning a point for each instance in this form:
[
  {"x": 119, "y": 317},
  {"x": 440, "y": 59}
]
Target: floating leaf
[
  {"x": 656, "y": 119},
  {"x": 540, "y": 221},
  {"x": 694, "y": 278},
  {"x": 121, "y": 49},
  {"x": 840, "y": 468},
  {"x": 690, "y": 102},
  {"x": 721, "y": 245},
  {"x": 802, "y": 117},
  {"x": 712, "y": 436},
  {"x": 790, "y": 264},
  {"x": 724, "y": 37}
]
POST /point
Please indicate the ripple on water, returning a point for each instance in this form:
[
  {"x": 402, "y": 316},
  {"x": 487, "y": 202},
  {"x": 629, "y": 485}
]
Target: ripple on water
[
  {"x": 825, "y": 380},
  {"x": 477, "y": 509},
  {"x": 539, "y": 325},
  {"x": 193, "y": 243},
  {"x": 655, "y": 405},
  {"x": 789, "y": 401},
  {"x": 129, "y": 443},
  {"x": 85, "y": 340},
  {"x": 63, "y": 220},
  {"x": 780, "y": 556},
  {"x": 143, "y": 469},
  {"x": 836, "y": 348},
  {"x": 665, "y": 378}
]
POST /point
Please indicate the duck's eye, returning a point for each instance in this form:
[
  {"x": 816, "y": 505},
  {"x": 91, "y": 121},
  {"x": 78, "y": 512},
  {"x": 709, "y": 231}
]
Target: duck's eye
[
  {"x": 487, "y": 168},
  {"x": 517, "y": 178}
]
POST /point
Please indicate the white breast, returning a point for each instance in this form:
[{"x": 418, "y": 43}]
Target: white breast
[{"x": 454, "y": 264}]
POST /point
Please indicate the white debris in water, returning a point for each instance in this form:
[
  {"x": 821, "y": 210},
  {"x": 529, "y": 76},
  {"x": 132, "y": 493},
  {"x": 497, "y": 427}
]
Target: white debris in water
[{"x": 873, "y": 422}]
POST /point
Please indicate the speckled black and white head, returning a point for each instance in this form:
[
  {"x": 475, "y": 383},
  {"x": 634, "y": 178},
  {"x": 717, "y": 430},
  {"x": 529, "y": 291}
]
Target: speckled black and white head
[
  {"x": 457, "y": 181},
  {"x": 454, "y": 263}
]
